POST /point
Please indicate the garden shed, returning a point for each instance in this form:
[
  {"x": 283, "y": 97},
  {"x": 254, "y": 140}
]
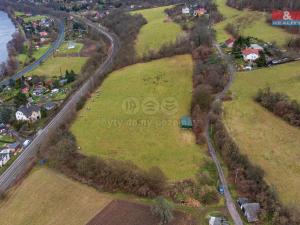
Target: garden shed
[{"x": 186, "y": 122}]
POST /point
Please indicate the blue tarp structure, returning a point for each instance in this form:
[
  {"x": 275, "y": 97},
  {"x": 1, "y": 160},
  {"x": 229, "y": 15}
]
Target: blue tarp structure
[{"x": 186, "y": 122}]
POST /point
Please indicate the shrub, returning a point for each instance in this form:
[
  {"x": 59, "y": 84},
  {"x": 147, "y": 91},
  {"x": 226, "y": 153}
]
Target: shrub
[
  {"x": 279, "y": 104},
  {"x": 208, "y": 194}
]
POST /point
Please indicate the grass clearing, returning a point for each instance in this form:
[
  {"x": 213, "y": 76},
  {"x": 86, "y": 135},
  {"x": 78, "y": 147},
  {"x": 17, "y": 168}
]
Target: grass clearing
[
  {"x": 38, "y": 53},
  {"x": 65, "y": 50},
  {"x": 104, "y": 128},
  {"x": 28, "y": 19},
  {"x": 251, "y": 23},
  {"x": 159, "y": 30},
  {"x": 46, "y": 197},
  {"x": 266, "y": 139},
  {"x": 55, "y": 66}
]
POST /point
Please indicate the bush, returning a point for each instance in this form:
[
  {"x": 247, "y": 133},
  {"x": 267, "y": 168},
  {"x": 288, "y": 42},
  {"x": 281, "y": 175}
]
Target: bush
[
  {"x": 80, "y": 103},
  {"x": 232, "y": 29},
  {"x": 208, "y": 194},
  {"x": 279, "y": 104}
]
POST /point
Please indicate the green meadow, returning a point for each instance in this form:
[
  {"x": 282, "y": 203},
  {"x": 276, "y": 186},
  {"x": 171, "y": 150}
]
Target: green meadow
[
  {"x": 267, "y": 140},
  {"x": 38, "y": 53},
  {"x": 118, "y": 121},
  {"x": 65, "y": 50},
  {"x": 46, "y": 197},
  {"x": 158, "y": 31},
  {"x": 250, "y": 23},
  {"x": 56, "y": 66}
]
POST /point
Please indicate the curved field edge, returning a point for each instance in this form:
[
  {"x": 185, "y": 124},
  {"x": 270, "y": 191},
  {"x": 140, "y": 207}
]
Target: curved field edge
[
  {"x": 267, "y": 140},
  {"x": 46, "y": 197},
  {"x": 158, "y": 31},
  {"x": 252, "y": 23},
  {"x": 105, "y": 128}
]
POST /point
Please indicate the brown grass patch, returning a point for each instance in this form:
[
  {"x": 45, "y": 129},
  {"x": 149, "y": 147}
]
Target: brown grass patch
[{"x": 128, "y": 213}]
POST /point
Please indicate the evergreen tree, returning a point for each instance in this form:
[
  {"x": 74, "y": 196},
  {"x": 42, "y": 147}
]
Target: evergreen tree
[{"x": 163, "y": 209}]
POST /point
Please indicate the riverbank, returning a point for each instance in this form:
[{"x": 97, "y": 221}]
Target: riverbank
[{"x": 7, "y": 29}]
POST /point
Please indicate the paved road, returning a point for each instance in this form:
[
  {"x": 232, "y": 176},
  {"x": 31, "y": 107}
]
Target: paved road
[
  {"x": 19, "y": 166},
  {"x": 229, "y": 201},
  {"x": 52, "y": 49}
]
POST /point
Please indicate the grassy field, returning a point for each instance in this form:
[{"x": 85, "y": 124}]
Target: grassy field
[
  {"x": 64, "y": 48},
  {"x": 251, "y": 23},
  {"x": 46, "y": 197},
  {"x": 266, "y": 139},
  {"x": 36, "y": 54},
  {"x": 54, "y": 66},
  {"x": 28, "y": 19},
  {"x": 106, "y": 128},
  {"x": 158, "y": 31}
]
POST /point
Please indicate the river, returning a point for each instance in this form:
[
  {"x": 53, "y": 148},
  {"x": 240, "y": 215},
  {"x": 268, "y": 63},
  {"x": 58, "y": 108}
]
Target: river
[{"x": 7, "y": 28}]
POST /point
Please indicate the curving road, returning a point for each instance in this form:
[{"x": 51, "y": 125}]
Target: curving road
[
  {"x": 229, "y": 200},
  {"x": 52, "y": 49},
  {"x": 20, "y": 165}
]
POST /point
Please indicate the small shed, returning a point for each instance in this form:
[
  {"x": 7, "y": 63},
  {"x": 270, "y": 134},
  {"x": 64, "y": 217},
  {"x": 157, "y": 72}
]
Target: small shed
[{"x": 186, "y": 122}]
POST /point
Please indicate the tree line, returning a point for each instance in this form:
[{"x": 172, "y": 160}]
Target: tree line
[
  {"x": 209, "y": 76},
  {"x": 265, "y": 5},
  {"x": 106, "y": 175},
  {"x": 127, "y": 28},
  {"x": 279, "y": 104}
]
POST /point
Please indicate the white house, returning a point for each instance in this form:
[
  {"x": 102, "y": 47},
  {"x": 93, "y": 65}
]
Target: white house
[
  {"x": 71, "y": 45},
  {"x": 4, "y": 157},
  {"x": 28, "y": 113},
  {"x": 256, "y": 46},
  {"x": 217, "y": 221},
  {"x": 250, "y": 54},
  {"x": 185, "y": 10}
]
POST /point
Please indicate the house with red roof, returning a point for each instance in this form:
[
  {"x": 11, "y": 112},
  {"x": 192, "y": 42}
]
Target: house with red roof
[
  {"x": 250, "y": 54},
  {"x": 43, "y": 34},
  {"x": 25, "y": 90},
  {"x": 229, "y": 42}
]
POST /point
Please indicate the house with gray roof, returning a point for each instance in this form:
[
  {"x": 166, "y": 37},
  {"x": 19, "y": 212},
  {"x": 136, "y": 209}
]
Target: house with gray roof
[
  {"x": 49, "y": 106},
  {"x": 28, "y": 113},
  {"x": 250, "y": 211}
]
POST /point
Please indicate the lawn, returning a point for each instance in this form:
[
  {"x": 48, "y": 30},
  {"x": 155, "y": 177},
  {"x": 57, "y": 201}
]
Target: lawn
[
  {"x": 64, "y": 48},
  {"x": 123, "y": 120},
  {"x": 28, "y": 19},
  {"x": 55, "y": 66},
  {"x": 4, "y": 139},
  {"x": 159, "y": 30},
  {"x": 251, "y": 23},
  {"x": 38, "y": 53},
  {"x": 266, "y": 139},
  {"x": 46, "y": 197}
]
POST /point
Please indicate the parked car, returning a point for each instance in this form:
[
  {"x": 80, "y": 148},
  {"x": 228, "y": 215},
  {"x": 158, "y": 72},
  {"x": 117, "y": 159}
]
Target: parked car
[
  {"x": 221, "y": 189},
  {"x": 248, "y": 68},
  {"x": 26, "y": 143}
]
